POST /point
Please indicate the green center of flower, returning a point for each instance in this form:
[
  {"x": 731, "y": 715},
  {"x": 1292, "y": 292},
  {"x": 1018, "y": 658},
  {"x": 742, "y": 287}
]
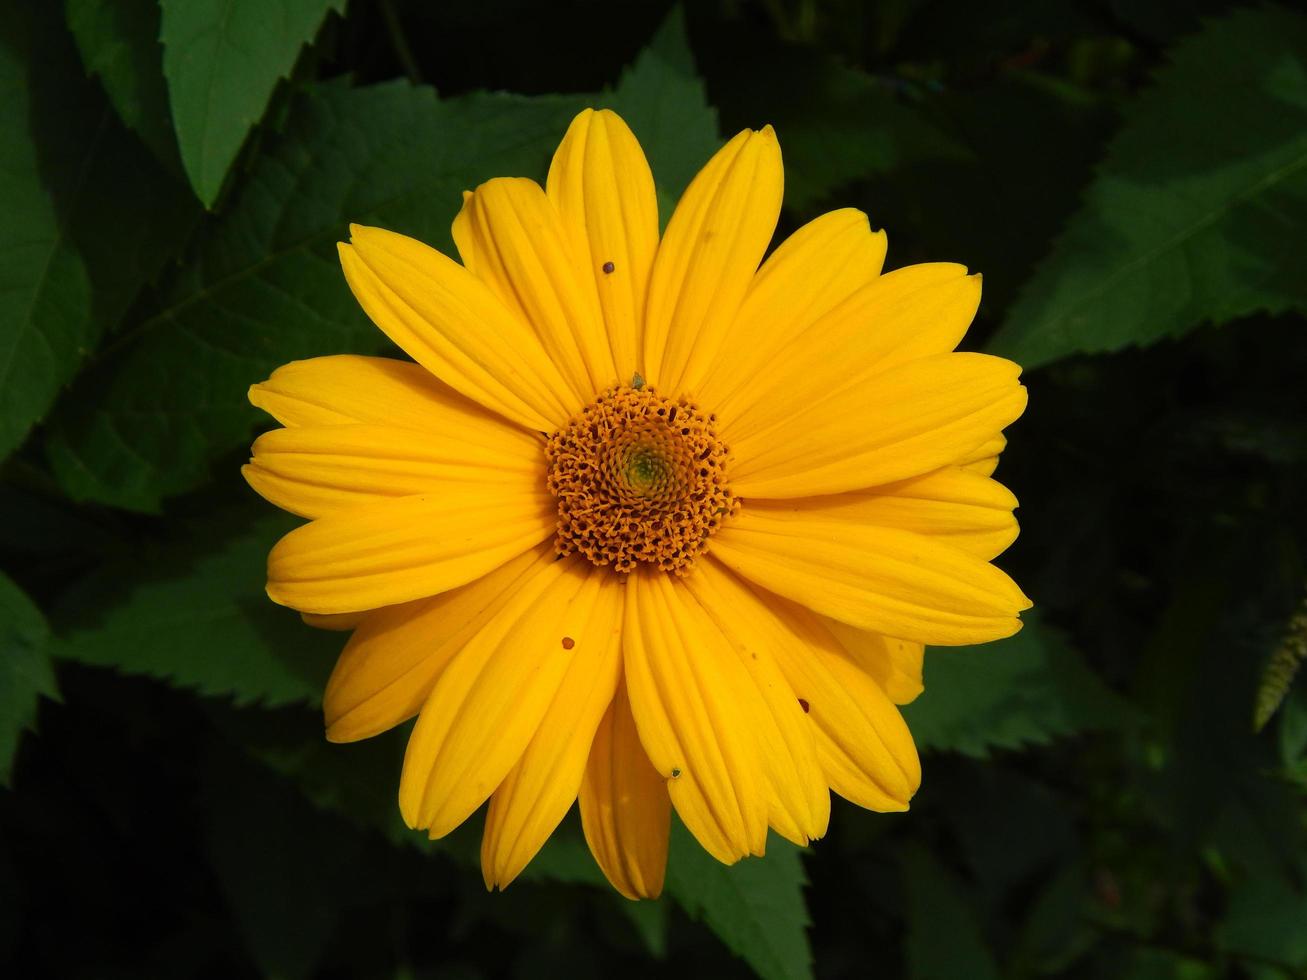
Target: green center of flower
[
  {"x": 638, "y": 478},
  {"x": 645, "y": 471}
]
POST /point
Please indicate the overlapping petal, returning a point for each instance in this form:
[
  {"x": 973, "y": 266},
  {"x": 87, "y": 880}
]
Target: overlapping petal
[
  {"x": 538, "y": 791},
  {"x": 690, "y": 696},
  {"x": 625, "y": 808},
  {"x": 453, "y": 324},
  {"x": 800, "y": 802},
  {"x": 348, "y": 388},
  {"x": 866, "y": 752},
  {"x": 866, "y": 749},
  {"x": 335, "y": 622},
  {"x": 813, "y": 271},
  {"x": 971, "y": 512},
  {"x": 911, "y": 313},
  {"x": 319, "y": 470},
  {"x": 708, "y": 256},
  {"x": 901, "y": 423},
  {"x": 512, "y": 238},
  {"x": 406, "y": 548},
  {"x": 892, "y": 663},
  {"x": 391, "y": 662},
  {"x": 488, "y": 703},
  {"x": 984, "y": 458},
  {"x": 882, "y": 579},
  {"x": 602, "y": 187}
]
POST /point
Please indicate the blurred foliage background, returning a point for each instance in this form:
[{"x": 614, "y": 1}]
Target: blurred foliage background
[{"x": 1119, "y": 791}]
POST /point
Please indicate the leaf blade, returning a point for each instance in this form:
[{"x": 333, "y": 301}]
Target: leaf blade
[
  {"x": 755, "y": 907},
  {"x": 222, "y": 59},
  {"x": 75, "y": 257},
  {"x": 1192, "y": 215},
  {"x": 1026, "y": 690},
  {"x": 25, "y": 669},
  {"x": 192, "y": 612},
  {"x": 119, "y": 44}
]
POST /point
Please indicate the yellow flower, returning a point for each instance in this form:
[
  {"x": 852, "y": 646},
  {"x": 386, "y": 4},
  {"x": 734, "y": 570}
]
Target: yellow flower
[{"x": 645, "y": 524}]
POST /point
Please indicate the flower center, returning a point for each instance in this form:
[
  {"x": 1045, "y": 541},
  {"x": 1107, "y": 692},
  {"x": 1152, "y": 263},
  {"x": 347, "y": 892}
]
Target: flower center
[{"x": 638, "y": 478}]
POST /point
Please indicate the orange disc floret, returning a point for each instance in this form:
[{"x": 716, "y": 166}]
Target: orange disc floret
[{"x": 639, "y": 478}]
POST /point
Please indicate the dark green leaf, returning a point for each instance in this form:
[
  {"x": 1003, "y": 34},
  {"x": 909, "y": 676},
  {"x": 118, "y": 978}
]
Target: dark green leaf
[
  {"x": 836, "y": 123},
  {"x": 119, "y": 44},
  {"x": 566, "y": 857},
  {"x": 25, "y": 671},
  {"x": 755, "y": 907},
  {"x": 853, "y": 127},
  {"x": 1028, "y": 689},
  {"x": 1293, "y": 729},
  {"x": 360, "y": 781},
  {"x": 650, "y": 920},
  {"x": 1146, "y": 963},
  {"x": 266, "y": 286},
  {"x": 1195, "y": 213},
  {"x": 194, "y": 614},
  {"x": 1055, "y": 931},
  {"x": 44, "y": 293},
  {"x": 90, "y": 217},
  {"x": 222, "y": 59},
  {"x": 1031, "y": 140},
  {"x": 289, "y": 872},
  {"x": 1265, "y": 920},
  {"x": 944, "y": 939},
  {"x": 662, "y": 98}
]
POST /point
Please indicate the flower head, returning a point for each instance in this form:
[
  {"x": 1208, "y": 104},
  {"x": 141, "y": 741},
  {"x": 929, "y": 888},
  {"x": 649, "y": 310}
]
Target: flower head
[{"x": 644, "y": 523}]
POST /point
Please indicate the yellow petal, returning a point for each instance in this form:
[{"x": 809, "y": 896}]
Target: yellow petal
[
  {"x": 881, "y": 579},
  {"x": 405, "y": 549},
  {"x": 625, "y": 810},
  {"x": 511, "y": 237},
  {"x": 893, "y": 664},
  {"x": 347, "y": 388},
  {"x": 810, "y": 273},
  {"x": 688, "y": 694},
  {"x": 339, "y": 622},
  {"x": 489, "y": 701},
  {"x": 968, "y": 511},
  {"x": 452, "y": 324},
  {"x": 538, "y": 791},
  {"x": 905, "y": 422},
  {"x": 601, "y": 184},
  {"x": 390, "y": 664},
  {"x": 905, "y": 315},
  {"x": 984, "y": 459},
  {"x": 708, "y": 256},
  {"x": 800, "y": 801},
  {"x": 866, "y": 750},
  {"x": 319, "y": 470}
]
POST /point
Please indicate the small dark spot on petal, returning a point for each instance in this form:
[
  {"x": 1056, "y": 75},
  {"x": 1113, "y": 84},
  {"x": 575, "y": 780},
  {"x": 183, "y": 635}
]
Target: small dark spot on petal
[
  {"x": 609, "y": 268},
  {"x": 568, "y": 643},
  {"x": 676, "y": 774},
  {"x": 804, "y": 705}
]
